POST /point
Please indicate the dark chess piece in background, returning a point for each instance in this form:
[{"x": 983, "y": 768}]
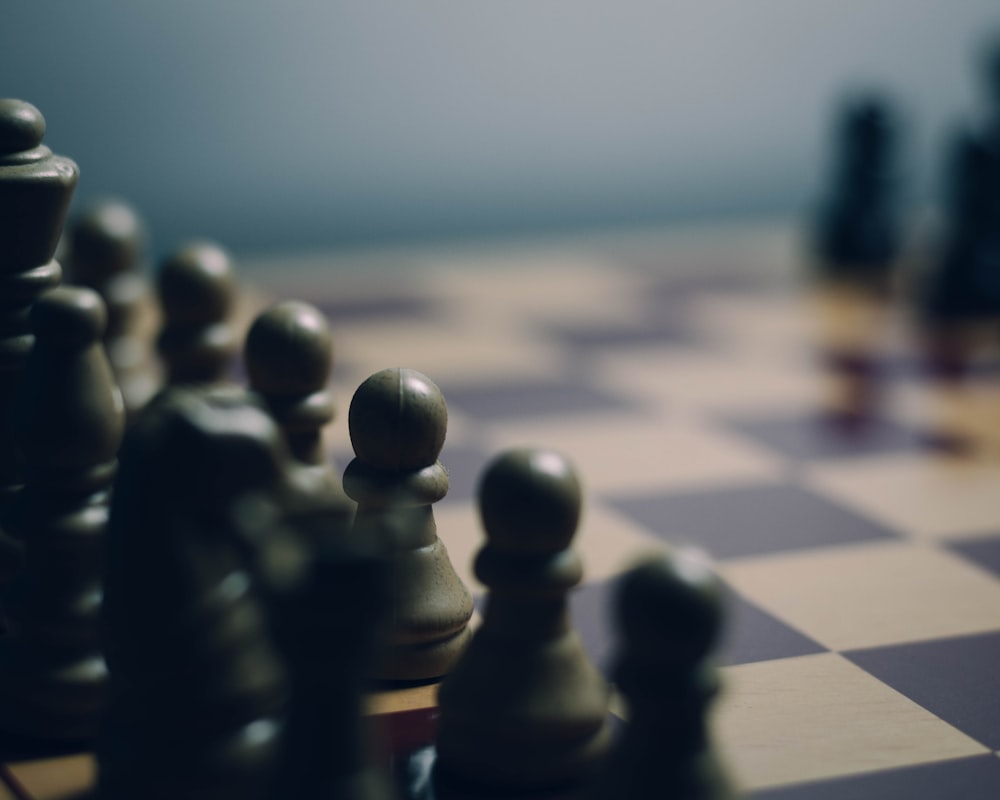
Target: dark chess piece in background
[
  {"x": 68, "y": 421},
  {"x": 959, "y": 294},
  {"x": 398, "y": 420},
  {"x": 106, "y": 252},
  {"x": 197, "y": 289},
  {"x": 524, "y": 711},
  {"x": 35, "y": 191},
  {"x": 856, "y": 244},
  {"x": 197, "y": 689},
  {"x": 289, "y": 361},
  {"x": 857, "y": 233},
  {"x": 670, "y": 614}
]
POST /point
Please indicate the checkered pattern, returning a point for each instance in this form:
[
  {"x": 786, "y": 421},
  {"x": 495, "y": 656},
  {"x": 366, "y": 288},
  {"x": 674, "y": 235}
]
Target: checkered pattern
[
  {"x": 678, "y": 374},
  {"x": 864, "y": 631}
]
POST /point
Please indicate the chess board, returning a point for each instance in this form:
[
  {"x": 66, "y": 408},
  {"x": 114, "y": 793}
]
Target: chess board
[{"x": 678, "y": 370}]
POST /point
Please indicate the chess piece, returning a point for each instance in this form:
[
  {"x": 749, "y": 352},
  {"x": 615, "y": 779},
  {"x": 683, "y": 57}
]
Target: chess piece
[
  {"x": 35, "y": 191},
  {"x": 196, "y": 687},
  {"x": 959, "y": 301},
  {"x": 669, "y": 612},
  {"x": 197, "y": 290},
  {"x": 857, "y": 231},
  {"x": 289, "y": 359},
  {"x": 397, "y": 422},
  {"x": 69, "y": 421},
  {"x": 856, "y": 246},
  {"x": 107, "y": 251},
  {"x": 524, "y": 710},
  {"x": 326, "y": 624}
]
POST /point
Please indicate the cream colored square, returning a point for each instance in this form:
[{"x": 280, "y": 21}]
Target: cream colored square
[
  {"x": 819, "y": 716},
  {"x": 690, "y": 380},
  {"x": 607, "y": 541},
  {"x": 536, "y": 287},
  {"x": 766, "y": 324},
  {"x": 871, "y": 594},
  {"x": 446, "y": 352},
  {"x": 924, "y": 497},
  {"x": 631, "y": 453}
]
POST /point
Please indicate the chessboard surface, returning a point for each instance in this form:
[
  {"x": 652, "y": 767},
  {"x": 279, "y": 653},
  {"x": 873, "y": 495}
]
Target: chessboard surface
[{"x": 678, "y": 372}]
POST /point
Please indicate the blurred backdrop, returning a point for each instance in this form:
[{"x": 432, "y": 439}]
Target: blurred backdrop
[{"x": 314, "y": 123}]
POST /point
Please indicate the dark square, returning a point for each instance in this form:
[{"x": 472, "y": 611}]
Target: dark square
[
  {"x": 981, "y": 552},
  {"x": 377, "y": 308},
  {"x": 512, "y": 399},
  {"x": 811, "y": 436},
  {"x": 976, "y": 778},
  {"x": 751, "y": 634},
  {"x": 465, "y": 465},
  {"x": 749, "y": 521},
  {"x": 957, "y": 679},
  {"x": 665, "y": 329}
]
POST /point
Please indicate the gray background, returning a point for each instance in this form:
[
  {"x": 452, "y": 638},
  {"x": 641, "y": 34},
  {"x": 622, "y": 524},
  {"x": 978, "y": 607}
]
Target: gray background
[{"x": 297, "y": 125}]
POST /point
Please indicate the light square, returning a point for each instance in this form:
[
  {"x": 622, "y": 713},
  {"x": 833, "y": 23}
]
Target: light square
[
  {"x": 819, "y": 716},
  {"x": 927, "y": 498},
  {"x": 628, "y": 453},
  {"x": 871, "y": 594},
  {"x": 692, "y": 380}
]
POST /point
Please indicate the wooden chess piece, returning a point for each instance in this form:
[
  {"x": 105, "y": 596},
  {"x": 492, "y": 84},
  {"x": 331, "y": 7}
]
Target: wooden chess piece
[
  {"x": 69, "y": 419},
  {"x": 197, "y": 690},
  {"x": 289, "y": 360},
  {"x": 107, "y": 253},
  {"x": 524, "y": 711},
  {"x": 197, "y": 290},
  {"x": 35, "y": 190},
  {"x": 670, "y": 613},
  {"x": 397, "y": 422}
]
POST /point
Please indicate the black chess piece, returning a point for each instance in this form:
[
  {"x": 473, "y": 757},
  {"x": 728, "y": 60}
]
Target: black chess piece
[
  {"x": 397, "y": 422},
  {"x": 35, "y": 190},
  {"x": 198, "y": 292},
  {"x": 857, "y": 228},
  {"x": 856, "y": 244},
  {"x": 69, "y": 421},
  {"x": 326, "y": 622},
  {"x": 289, "y": 361},
  {"x": 524, "y": 711},
  {"x": 107, "y": 253},
  {"x": 197, "y": 689},
  {"x": 670, "y": 614}
]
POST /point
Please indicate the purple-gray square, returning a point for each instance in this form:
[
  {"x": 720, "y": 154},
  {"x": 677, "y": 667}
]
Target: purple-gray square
[
  {"x": 975, "y": 778},
  {"x": 982, "y": 552},
  {"x": 751, "y": 634},
  {"x": 751, "y": 520},
  {"x": 531, "y": 398},
  {"x": 382, "y": 307},
  {"x": 812, "y": 436},
  {"x": 667, "y": 328},
  {"x": 957, "y": 679},
  {"x": 465, "y": 465}
]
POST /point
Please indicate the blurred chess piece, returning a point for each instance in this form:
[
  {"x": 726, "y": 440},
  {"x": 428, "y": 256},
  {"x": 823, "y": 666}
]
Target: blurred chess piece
[
  {"x": 855, "y": 251},
  {"x": 106, "y": 251}
]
